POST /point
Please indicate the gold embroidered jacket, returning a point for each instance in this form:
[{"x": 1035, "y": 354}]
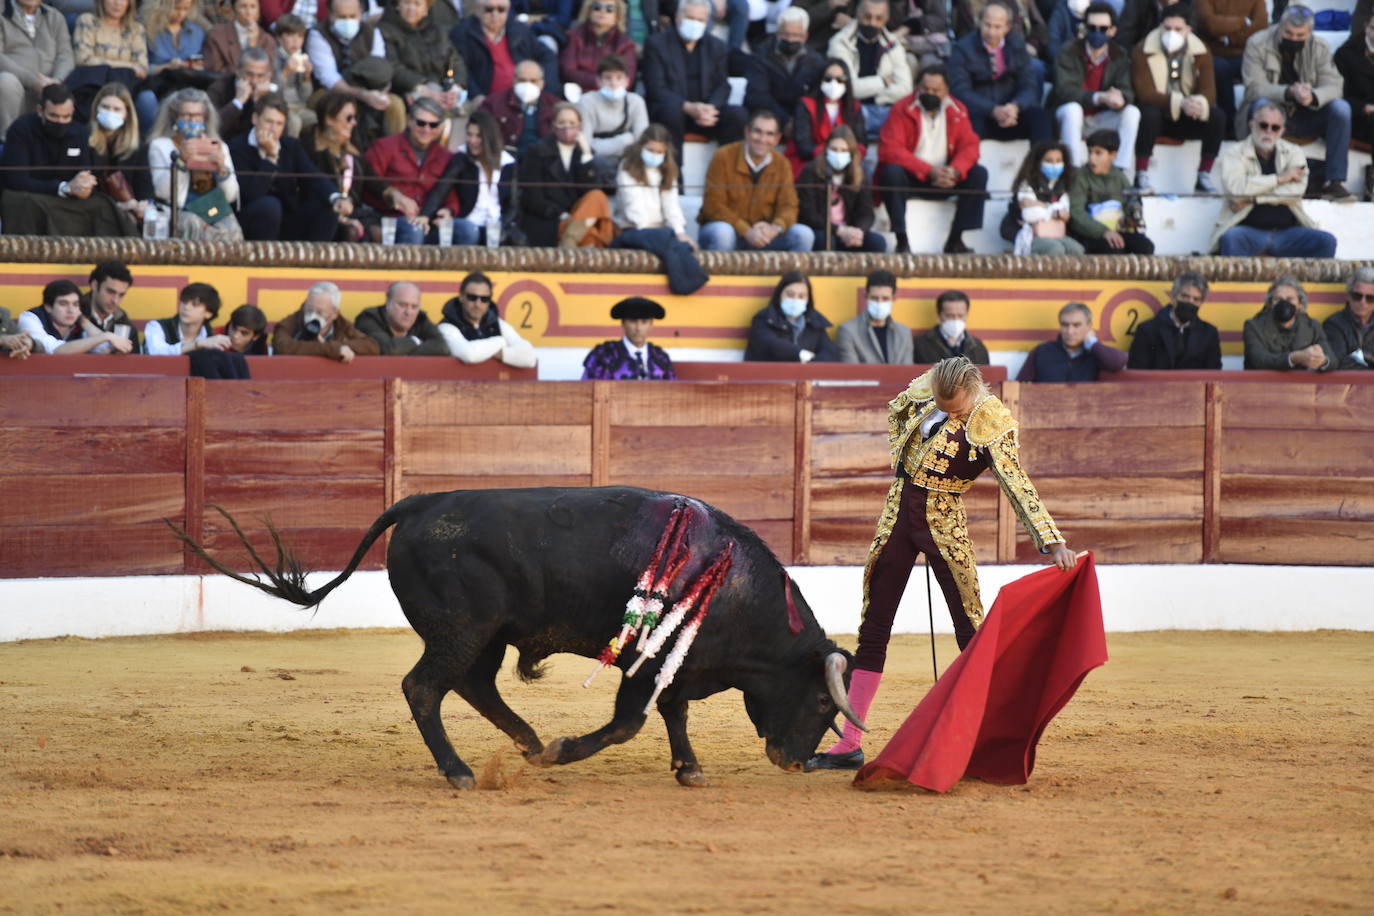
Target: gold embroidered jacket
[{"x": 962, "y": 449}]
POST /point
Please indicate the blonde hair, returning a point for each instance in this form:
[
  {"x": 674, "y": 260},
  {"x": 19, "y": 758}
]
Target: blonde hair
[
  {"x": 157, "y": 12},
  {"x": 958, "y": 373},
  {"x": 125, "y": 140},
  {"x": 620, "y": 13}
]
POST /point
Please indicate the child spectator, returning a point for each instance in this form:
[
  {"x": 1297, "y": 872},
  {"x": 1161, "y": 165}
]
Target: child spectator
[
  {"x": 830, "y": 104},
  {"x": 832, "y": 192},
  {"x": 189, "y": 328},
  {"x": 647, "y": 212},
  {"x": 1040, "y": 202},
  {"x": 247, "y": 331},
  {"x": 613, "y": 115},
  {"x": 294, "y": 71},
  {"x": 1097, "y": 202}
]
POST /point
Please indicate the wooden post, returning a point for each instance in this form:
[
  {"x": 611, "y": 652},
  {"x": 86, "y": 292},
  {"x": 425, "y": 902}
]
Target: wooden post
[
  {"x": 801, "y": 477},
  {"x": 1006, "y": 516},
  {"x": 601, "y": 433},
  {"x": 1211, "y": 474},
  {"x": 195, "y": 470},
  {"x": 392, "y": 393}
]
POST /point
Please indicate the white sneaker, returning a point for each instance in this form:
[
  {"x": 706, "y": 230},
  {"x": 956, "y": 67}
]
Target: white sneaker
[
  {"x": 1142, "y": 182},
  {"x": 1206, "y": 184}
]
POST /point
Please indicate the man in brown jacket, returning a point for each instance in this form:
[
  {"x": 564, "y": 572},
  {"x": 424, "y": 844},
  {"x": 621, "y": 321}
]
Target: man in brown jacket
[
  {"x": 1225, "y": 26},
  {"x": 751, "y": 203},
  {"x": 317, "y": 329},
  {"x": 1175, "y": 86}
]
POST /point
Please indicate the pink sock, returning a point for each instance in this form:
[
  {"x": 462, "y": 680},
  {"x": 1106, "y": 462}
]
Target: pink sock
[{"x": 863, "y": 685}]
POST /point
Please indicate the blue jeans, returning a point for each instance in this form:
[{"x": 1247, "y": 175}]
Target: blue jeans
[
  {"x": 1294, "y": 242},
  {"x": 465, "y": 232},
  {"x": 145, "y": 104},
  {"x": 875, "y": 116},
  {"x": 721, "y": 236},
  {"x": 737, "y": 19},
  {"x": 1331, "y": 122}
]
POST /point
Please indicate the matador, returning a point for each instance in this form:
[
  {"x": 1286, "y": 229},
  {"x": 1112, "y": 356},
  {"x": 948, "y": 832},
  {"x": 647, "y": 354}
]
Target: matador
[{"x": 944, "y": 430}]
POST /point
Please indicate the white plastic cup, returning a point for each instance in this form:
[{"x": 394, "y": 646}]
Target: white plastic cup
[
  {"x": 122, "y": 330},
  {"x": 388, "y": 230},
  {"x": 446, "y": 231}
]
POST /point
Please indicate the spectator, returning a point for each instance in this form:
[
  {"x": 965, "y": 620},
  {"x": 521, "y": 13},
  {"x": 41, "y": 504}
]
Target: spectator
[
  {"x": 1263, "y": 179},
  {"x": 281, "y": 194},
  {"x": 176, "y": 37},
  {"x": 685, "y": 79},
  {"x": 782, "y": 68},
  {"x": 1283, "y": 336},
  {"x": 206, "y": 186},
  {"x": 309, "y": 12},
  {"x": 1225, "y": 26},
  {"x": 877, "y": 60},
  {"x": 1092, "y": 86},
  {"x": 410, "y": 165},
  {"x": 1076, "y": 355},
  {"x": 1359, "y": 19},
  {"x": 491, "y": 42},
  {"x": 600, "y": 31},
  {"x": 789, "y": 329},
  {"x": 317, "y": 329},
  {"x": 990, "y": 72},
  {"x": 561, "y": 204},
  {"x": 524, "y": 112},
  {"x": 632, "y": 356},
  {"x": 1177, "y": 338},
  {"x": 1098, "y": 200},
  {"x": 923, "y": 27},
  {"x": 420, "y": 53},
  {"x": 482, "y": 174},
  {"x": 110, "y": 281},
  {"x": 56, "y": 325},
  {"x": 1066, "y": 22},
  {"x": 751, "y": 202},
  {"x": 647, "y": 211},
  {"x": 1351, "y": 330},
  {"x": 120, "y": 167},
  {"x": 399, "y": 327},
  {"x": 247, "y": 329},
  {"x": 475, "y": 331},
  {"x": 1139, "y": 18},
  {"x": 349, "y": 55},
  {"x": 614, "y": 116},
  {"x": 15, "y": 342},
  {"x": 329, "y": 145},
  {"x": 1038, "y": 218},
  {"x": 1027, "y": 22},
  {"x": 950, "y": 336},
  {"x": 295, "y": 73},
  {"x": 928, "y": 149},
  {"x": 830, "y": 103},
  {"x": 1289, "y": 65},
  {"x": 112, "y": 39},
  {"x": 835, "y": 201},
  {"x": 189, "y": 329},
  {"x": 236, "y": 95},
  {"x": 875, "y": 336},
  {"x": 34, "y": 53},
  {"x": 1355, "y": 61},
  {"x": 1174, "y": 82},
  {"x": 225, "y": 43},
  {"x": 49, "y": 186}
]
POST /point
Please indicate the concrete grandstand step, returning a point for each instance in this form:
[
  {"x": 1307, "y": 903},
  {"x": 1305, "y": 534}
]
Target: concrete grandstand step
[{"x": 696, "y": 159}]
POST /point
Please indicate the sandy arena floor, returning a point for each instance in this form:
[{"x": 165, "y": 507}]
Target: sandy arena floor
[{"x": 1196, "y": 772}]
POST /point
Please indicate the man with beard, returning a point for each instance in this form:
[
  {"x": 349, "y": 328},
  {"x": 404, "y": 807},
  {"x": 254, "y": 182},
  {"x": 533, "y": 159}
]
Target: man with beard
[
  {"x": 1177, "y": 338},
  {"x": 473, "y": 328}
]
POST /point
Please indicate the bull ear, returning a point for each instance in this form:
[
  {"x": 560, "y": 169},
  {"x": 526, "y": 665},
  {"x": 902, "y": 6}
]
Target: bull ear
[{"x": 835, "y": 665}]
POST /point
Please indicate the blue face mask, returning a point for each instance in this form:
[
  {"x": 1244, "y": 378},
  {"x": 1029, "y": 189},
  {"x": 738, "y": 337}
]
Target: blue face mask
[
  {"x": 1052, "y": 170},
  {"x": 612, "y": 95},
  {"x": 652, "y": 160},
  {"x": 792, "y": 308}
]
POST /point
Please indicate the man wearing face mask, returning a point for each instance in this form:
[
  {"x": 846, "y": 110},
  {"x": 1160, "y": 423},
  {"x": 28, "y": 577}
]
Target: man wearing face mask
[
  {"x": 1092, "y": 87},
  {"x": 950, "y": 336},
  {"x": 1264, "y": 178},
  {"x": 317, "y": 329},
  {"x": 342, "y": 42},
  {"x": 782, "y": 68},
  {"x": 613, "y": 116},
  {"x": 524, "y": 111},
  {"x": 49, "y": 188},
  {"x": 1177, "y": 338},
  {"x": 1283, "y": 336},
  {"x": 874, "y": 336},
  {"x": 686, "y": 78},
  {"x": 1289, "y": 65},
  {"x": 876, "y": 58}
]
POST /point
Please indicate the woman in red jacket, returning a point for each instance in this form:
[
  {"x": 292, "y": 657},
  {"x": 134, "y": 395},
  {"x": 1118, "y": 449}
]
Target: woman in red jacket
[
  {"x": 831, "y": 104},
  {"x": 600, "y": 30}
]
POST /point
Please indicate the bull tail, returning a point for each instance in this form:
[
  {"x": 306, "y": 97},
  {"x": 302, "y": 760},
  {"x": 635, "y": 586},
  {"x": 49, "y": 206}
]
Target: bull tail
[{"x": 286, "y": 577}]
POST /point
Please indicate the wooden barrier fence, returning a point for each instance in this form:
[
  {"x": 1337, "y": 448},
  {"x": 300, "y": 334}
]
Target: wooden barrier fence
[{"x": 1157, "y": 472}]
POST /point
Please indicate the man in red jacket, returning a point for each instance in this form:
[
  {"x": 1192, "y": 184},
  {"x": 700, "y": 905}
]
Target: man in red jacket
[
  {"x": 408, "y": 165},
  {"x": 927, "y": 148}
]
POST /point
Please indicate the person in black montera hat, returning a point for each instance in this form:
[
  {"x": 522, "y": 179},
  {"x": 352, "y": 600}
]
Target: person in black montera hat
[{"x": 631, "y": 357}]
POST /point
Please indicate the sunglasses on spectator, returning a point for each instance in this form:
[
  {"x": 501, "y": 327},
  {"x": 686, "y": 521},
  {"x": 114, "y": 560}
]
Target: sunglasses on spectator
[
  {"x": 473, "y": 297},
  {"x": 1099, "y": 29},
  {"x": 428, "y": 125},
  {"x": 1269, "y": 126},
  {"x": 603, "y": 7},
  {"x": 1362, "y": 297}
]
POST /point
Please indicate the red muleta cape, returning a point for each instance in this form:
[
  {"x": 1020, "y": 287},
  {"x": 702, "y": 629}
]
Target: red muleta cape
[{"x": 984, "y": 717}]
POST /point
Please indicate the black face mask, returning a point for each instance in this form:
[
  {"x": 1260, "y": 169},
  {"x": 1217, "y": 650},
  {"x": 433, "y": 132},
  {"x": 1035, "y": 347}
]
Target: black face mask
[
  {"x": 789, "y": 48},
  {"x": 929, "y": 101},
  {"x": 1284, "y": 311},
  {"x": 1289, "y": 47},
  {"x": 1185, "y": 311},
  {"x": 868, "y": 32},
  {"x": 54, "y": 131}
]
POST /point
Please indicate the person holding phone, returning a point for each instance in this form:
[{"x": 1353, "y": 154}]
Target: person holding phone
[{"x": 185, "y": 141}]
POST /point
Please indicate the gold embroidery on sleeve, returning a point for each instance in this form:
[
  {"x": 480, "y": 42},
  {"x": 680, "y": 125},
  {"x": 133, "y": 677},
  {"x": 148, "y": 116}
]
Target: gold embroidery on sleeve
[{"x": 1006, "y": 466}]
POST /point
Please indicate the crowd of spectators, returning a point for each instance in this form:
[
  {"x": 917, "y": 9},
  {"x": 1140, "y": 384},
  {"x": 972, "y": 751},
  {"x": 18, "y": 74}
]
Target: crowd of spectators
[{"x": 432, "y": 121}]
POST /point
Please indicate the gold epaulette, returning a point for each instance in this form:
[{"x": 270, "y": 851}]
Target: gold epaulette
[
  {"x": 989, "y": 421},
  {"x": 919, "y": 390}
]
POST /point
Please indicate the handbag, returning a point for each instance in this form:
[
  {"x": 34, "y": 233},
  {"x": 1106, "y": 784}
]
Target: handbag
[
  {"x": 117, "y": 186},
  {"x": 212, "y": 206}
]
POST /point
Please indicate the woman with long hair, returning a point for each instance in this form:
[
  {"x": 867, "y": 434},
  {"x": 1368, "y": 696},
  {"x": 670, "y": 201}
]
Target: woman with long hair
[
  {"x": 1040, "y": 202},
  {"x": 111, "y": 37},
  {"x": 647, "y": 212},
  {"x": 600, "y": 30},
  {"x": 206, "y": 186},
  {"x": 481, "y": 175},
  {"x": 835, "y": 199},
  {"x": 329, "y": 144},
  {"x": 560, "y": 202},
  {"x": 176, "y": 35},
  {"x": 116, "y": 159},
  {"x": 830, "y": 104},
  {"x": 789, "y": 329}
]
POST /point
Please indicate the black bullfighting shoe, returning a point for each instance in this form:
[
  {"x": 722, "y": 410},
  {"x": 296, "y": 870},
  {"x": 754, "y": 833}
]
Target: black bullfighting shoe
[{"x": 848, "y": 760}]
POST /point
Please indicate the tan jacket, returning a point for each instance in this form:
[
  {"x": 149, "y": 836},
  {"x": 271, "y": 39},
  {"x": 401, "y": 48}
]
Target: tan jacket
[
  {"x": 1150, "y": 74},
  {"x": 1261, "y": 67},
  {"x": 1241, "y": 179},
  {"x": 732, "y": 195}
]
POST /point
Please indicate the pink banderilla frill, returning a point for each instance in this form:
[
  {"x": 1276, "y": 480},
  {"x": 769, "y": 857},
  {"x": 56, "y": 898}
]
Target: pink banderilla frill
[
  {"x": 712, "y": 578},
  {"x": 651, "y": 589}
]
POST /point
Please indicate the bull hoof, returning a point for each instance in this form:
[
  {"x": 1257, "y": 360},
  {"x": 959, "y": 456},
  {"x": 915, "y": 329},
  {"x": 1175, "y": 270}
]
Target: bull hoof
[
  {"x": 551, "y": 754},
  {"x": 691, "y": 777},
  {"x": 462, "y": 781}
]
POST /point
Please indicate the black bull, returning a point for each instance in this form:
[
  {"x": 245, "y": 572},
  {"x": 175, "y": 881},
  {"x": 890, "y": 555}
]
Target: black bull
[{"x": 549, "y": 570}]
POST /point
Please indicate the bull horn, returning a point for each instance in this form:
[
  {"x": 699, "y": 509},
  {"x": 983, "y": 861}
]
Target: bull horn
[{"x": 835, "y": 665}]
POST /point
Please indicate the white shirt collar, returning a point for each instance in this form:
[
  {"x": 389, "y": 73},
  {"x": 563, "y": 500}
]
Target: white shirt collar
[{"x": 635, "y": 351}]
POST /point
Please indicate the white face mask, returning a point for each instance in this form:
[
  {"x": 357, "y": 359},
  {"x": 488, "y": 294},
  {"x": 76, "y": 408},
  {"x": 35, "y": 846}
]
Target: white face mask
[
  {"x": 110, "y": 120},
  {"x": 879, "y": 310},
  {"x": 833, "y": 90},
  {"x": 527, "y": 92},
  {"x": 952, "y": 328},
  {"x": 651, "y": 159},
  {"x": 612, "y": 94},
  {"x": 792, "y": 308},
  {"x": 691, "y": 29},
  {"x": 347, "y": 29},
  {"x": 839, "y": 161},
  {"x": 1172, "y": 41},
  {"x": 1079, "y": 8}
]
